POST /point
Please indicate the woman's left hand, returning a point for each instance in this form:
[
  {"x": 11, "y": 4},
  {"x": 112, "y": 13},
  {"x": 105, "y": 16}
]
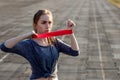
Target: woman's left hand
[{"x": 70, "y": 24}]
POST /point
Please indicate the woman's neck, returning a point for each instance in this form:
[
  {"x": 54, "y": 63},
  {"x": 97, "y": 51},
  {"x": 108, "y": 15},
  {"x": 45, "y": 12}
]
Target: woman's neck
[{"x": 43, "y": 42}]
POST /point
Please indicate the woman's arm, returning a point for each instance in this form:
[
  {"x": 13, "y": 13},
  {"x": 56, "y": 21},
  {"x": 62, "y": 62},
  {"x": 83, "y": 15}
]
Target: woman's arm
[
  {"x": 73, "y": 41},
  {"x": 10, "y": 43}
]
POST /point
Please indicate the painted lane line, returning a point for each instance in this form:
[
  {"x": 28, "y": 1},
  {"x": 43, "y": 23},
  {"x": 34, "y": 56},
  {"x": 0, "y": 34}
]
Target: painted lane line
[
  {"x": 99, "y": 45},
  {"x": 5, "y": 56}
]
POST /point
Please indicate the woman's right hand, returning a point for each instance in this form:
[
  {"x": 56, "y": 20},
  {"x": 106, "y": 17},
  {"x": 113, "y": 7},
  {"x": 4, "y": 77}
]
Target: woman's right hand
[
  {"x": 30, "y": 34},
  {"x": 70, "y": 24}
]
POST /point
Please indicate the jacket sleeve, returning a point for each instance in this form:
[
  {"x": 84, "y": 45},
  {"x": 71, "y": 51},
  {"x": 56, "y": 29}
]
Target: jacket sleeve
[{"x": 65, "y": 48}]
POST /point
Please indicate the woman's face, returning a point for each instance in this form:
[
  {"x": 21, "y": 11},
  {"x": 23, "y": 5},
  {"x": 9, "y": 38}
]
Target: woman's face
[{"x": 44, "y": 24}]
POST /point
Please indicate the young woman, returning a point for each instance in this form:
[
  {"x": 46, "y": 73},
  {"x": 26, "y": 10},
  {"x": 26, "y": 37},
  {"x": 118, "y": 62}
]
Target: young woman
[{"x": 42, "y": 53}]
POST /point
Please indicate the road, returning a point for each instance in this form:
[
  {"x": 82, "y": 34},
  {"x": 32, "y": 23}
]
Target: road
[{"x": 97, "y": 32}]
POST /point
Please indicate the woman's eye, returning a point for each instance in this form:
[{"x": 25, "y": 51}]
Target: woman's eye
[
  {"x": 50, "y": 22},
  {"x": 44, "y": 22}
]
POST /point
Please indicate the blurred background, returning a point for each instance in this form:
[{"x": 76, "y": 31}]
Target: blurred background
[{"x": 97, "y": 32}]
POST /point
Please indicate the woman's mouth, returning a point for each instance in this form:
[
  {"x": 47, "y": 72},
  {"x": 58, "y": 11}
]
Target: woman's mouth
[{"x": 47, "y": 30}]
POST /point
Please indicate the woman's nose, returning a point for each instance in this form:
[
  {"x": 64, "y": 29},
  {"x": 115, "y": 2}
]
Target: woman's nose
[{"x": 47, "y": 25}]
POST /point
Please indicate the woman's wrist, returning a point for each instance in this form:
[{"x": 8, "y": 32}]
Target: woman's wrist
[{"x": 72, "y": 34}]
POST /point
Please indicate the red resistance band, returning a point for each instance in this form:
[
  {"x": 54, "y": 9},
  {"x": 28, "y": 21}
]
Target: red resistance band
[{"x": 55, "y": 33}]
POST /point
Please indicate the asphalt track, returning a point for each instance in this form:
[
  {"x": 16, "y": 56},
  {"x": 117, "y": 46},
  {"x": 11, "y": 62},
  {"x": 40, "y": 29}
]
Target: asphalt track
[{"x": 97, "y": 32}]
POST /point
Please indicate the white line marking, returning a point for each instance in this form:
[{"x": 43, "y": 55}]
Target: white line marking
[
  {"x": 99, "y": 45},
  {"x": 5, "y": 56}
]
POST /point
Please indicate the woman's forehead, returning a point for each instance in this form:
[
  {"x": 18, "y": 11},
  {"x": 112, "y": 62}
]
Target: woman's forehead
[{"x": 46, "y": 17}]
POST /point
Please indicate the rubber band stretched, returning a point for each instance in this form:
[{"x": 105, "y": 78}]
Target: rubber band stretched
[{"x": 55, "y": 33}]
